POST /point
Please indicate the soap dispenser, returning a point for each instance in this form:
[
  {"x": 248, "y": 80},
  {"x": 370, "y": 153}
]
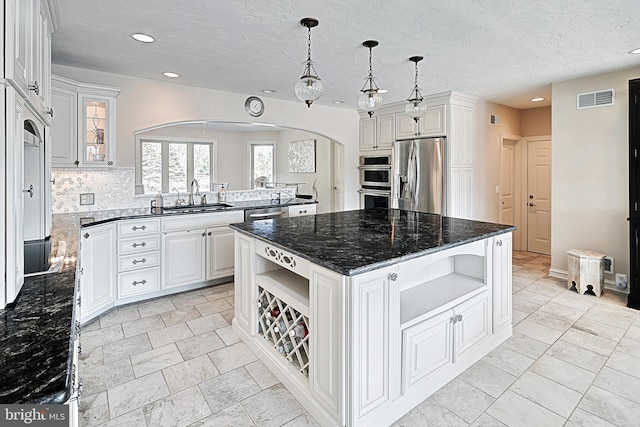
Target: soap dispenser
[
  {"x": 156, "y": 204},
  {"x": 222, "y": 194}
]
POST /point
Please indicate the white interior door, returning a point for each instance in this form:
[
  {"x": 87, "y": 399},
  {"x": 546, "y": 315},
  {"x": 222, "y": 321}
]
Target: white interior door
[
  {"x": 337, "y": 162},
  {"x": 507, "y": 184},
  {"x": 539, "y": 196}
]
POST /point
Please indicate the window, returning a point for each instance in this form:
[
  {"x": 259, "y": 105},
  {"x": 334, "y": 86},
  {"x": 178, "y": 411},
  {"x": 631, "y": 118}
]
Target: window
[
  {"x": 165, "y": 165},
  {"x": 262, "y": 161}
]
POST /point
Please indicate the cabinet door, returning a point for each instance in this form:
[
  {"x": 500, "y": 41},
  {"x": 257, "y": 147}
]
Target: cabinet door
[
  {"x": 183, "y": 258},
  {"x": 368, "y": 134},
  {"x": 219, "y": 252},
  {"x": 433, "y": 123},
  {"x": 502, "y": 284},
  {"x": 64, "y": 152},
  {"x": 245, "y": 298},
  {"x": 326, "y": 375},
  {"x": 385, "y": 130},
  {"x": 426, "y": 347},
  {"x": 302, "y": 210},
  {"x": 471, "y": 324},
  {"x": 14, "y": 197},
  {"x": 375, "y": 330},
  {"x": 405, "y": 126},
  {"x": 96, "y": 128},
  {"x": 18, "y": 32},
  {"x": 40, "y": 54},
  {"x": 97, "y": 270}
]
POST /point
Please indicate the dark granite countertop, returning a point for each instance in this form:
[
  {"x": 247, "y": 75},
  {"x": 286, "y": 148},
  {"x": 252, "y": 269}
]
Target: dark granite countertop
[
  {"x": 36, "y": 329},
  {"x": 354, "y": 242},
  {"x": 101, "y": 217}
]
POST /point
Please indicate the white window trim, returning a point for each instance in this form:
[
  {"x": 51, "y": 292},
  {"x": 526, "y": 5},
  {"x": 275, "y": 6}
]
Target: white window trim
[
  {"x": 175, "y": 139},
  {"x": 250, "y": 144}
]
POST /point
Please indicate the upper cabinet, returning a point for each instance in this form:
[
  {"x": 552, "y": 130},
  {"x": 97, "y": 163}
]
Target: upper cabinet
[
  {"x": 27, "y": 44},
  {"x": 83, "y": 128},
  {"x": 377, "y": 133},
  {"x": 433, "y": 123}
]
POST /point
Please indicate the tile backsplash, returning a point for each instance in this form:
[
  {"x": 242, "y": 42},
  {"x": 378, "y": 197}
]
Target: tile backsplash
[{"x": 113, "y": 188}]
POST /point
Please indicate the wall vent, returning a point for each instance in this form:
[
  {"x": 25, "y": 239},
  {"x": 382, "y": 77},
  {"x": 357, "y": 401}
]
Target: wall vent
[
  {"x": 494, "y": 120},
  {"x": 600, "y": 98},
  {"x": 608, "y": 264}
]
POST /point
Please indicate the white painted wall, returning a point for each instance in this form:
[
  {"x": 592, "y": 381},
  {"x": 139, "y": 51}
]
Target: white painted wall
[
  {"x": 144, "y": 103},
  {"x": 590, "y": 171}
]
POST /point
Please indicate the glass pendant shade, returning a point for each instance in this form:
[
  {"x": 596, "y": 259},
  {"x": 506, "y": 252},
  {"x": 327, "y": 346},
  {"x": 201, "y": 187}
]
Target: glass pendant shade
[{"x": 309, "y": 88}]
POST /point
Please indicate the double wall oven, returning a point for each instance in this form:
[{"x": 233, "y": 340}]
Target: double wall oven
[{"x": 375, "y": 181}]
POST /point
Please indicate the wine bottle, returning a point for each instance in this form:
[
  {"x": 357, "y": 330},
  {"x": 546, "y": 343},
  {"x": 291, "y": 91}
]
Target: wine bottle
[
  {"x": 299, "y": 330},
  {"x": 275, "y": 312}
]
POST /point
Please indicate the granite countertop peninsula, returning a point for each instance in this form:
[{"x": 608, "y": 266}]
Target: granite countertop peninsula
[
  {"x": 354, "y": 242},
  {"x": 36, "y": 330}
]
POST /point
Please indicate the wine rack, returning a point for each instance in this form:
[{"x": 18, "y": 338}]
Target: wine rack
[{"x": 285, "y": 328}]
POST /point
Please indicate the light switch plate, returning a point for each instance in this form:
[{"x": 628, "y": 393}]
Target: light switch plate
[{"x": 87, "y": 198}]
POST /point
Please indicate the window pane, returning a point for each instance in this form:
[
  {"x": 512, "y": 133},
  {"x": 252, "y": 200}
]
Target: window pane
[
  {"x": 152, "y": 167},
  {"x": 263, "y": 161},
  {"x": 178, "y": 167},
  {"x": 202, "y": 165}
]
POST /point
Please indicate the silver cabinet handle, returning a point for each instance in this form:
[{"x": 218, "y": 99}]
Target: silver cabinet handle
[
  {"x": 135, "y": 261},
  {"x": 459, "y": 317},
  {"x": 143, "y": 244},
  {"x": 85, "y": 235},
  {"x": 49, "y": 111},
  {"x": 134, "y": 228},
  {"x": 264, "y": 215},
  {"x": 30, "y": 190},
  {"x": 141, "y": 282},
  {"x": 392, "y": 276},
  {"x": 499, "y": 243},
  {"x": 35, "y": 87}
]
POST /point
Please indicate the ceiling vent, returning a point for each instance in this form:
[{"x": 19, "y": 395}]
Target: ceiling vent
[{"x": 596, "y": 99}]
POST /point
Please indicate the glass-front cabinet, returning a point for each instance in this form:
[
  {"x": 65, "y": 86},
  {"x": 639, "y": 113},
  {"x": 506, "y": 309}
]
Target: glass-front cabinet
[{"x": 96, "y": 127}]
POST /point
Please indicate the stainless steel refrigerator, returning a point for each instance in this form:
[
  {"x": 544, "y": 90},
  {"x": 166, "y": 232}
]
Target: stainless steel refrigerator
[{"x": 419, "y": 179}]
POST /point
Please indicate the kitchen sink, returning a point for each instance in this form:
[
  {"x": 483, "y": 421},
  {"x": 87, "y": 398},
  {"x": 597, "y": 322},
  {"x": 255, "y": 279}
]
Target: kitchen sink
[{"x": 196, "y": 208}]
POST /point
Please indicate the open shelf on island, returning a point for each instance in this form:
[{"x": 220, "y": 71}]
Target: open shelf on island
[
  {"x": 287, "y": 286},
  {"x": 420, "y": 301}
]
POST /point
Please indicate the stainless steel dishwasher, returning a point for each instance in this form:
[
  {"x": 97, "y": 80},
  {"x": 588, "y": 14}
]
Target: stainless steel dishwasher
[{"x": 266, "y": 213}]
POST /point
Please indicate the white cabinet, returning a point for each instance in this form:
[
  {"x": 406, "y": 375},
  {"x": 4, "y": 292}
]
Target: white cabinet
[
  {"x": 138, "y": 257},
  {"x": 13, "y": 195},
  {"x": 183, "y": 259},
  {"x": 27, "y": 44},
  {"x": 301, "y": 210},
  {"x": 502, "y": 286},
  {"x": 220, "y": 252},
  {"x": 433, "y": 123},
  {"x": 377, "y": 133},
  {"x": 368, "y": 133},
  {"x": 84, "y": 124},
  {"x": 244, "y": 293},
  {"x": 97, "y": 270}
]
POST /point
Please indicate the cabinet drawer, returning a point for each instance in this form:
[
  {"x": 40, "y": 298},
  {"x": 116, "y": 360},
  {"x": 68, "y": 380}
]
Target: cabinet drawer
[
  {"x": 138, "y": 261},
  {"x": 300, "y": 210},
  {"x": 138, "y": 227},
  {"x": 138, "y": 282},
  {"x": 138, "y": 245}
]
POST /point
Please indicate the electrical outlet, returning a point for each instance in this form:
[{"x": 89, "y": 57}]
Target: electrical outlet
[
  {"x": 87, "y": 198},
  {"x": 497, "y": 189},
  {"x": 621, "y": 281}
]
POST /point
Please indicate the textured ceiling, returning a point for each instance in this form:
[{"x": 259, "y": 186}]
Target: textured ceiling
[{"x": 506, "y": 51}]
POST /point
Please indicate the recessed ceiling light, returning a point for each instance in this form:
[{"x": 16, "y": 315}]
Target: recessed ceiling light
[
  {"x": 268, "y": 91},
  {"x": 144, "y": 38},
  {"x": 338, "y": 102},
  {"x": 171, "y": 74},
  {"x": 539, "y": 99},
  {"x": 635, "y": 50}
]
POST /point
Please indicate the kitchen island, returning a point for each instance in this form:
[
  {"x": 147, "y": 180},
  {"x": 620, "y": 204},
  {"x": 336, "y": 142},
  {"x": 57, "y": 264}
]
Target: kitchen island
[{"x": 364, "y": 314}]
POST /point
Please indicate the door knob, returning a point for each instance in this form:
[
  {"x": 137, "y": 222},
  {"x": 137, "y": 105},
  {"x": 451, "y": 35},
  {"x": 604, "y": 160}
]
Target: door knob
[
  {"x": 531, "y": 204},
  {"x": 531, "y": 196}
]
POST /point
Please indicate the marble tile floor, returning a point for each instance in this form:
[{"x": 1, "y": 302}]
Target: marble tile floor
[{"x": 572, "y": 360}]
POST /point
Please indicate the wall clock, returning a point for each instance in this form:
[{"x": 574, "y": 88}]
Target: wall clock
[{"x": 254, "y": 106}]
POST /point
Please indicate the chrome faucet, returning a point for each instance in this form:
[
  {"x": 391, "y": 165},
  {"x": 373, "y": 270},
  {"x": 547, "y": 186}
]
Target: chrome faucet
[
  {"x": 179, "y": 201},
  {"x": 197, "y": 193}
]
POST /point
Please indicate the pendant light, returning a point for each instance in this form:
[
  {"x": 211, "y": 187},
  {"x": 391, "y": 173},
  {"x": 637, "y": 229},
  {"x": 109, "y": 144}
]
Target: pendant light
[
  {"x": 416, "y": 108},
  {"x": 370, "y": 99},
  {"x": 309, "y": 87}
]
